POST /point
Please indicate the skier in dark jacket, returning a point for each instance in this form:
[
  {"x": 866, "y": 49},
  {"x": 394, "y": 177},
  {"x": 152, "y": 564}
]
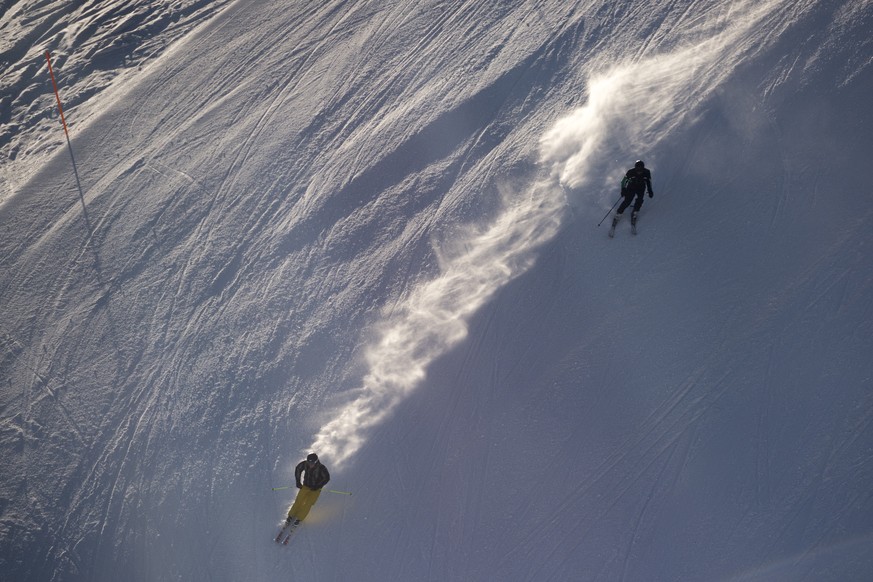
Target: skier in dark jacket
[
  {"x": 315, "y": 476},
  {"x": 635, "y": 183}
]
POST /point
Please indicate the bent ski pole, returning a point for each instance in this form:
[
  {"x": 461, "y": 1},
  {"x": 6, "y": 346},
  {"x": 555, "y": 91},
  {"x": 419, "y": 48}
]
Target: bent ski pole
[{"x": 610, "y": 210}]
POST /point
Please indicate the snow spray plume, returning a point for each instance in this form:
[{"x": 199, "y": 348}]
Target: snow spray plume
[
  {"x": 638, "y": 104},
  {"x": 649, "y": 98},
  {"x": 432, "y": 319}
]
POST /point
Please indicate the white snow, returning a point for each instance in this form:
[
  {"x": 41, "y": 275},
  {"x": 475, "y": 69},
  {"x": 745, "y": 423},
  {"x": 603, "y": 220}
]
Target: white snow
[{"x": 370, "y": 229}]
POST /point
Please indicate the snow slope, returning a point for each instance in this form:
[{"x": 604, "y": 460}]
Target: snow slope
[
  {"x": 93, "y": 43},
  {"x": 369, "y": 229}
]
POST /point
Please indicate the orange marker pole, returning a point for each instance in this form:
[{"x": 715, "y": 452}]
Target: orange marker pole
[
  {"x": 69, "y": 144},
  {"x": 48, "y": 59}
]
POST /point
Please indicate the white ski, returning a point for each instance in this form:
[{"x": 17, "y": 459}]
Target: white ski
[
  {"x": 615, "y": 220},
  {"x": 287, "y": 532}
]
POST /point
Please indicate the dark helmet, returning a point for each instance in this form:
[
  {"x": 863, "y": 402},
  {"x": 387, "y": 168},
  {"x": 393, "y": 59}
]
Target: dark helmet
[
  {"x": 639, "y": 164},
  {"x": 312, "y": 457}
]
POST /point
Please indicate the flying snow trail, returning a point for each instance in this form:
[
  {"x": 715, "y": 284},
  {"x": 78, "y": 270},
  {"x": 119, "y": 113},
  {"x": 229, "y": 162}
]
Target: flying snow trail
[
  {"x": 645, "y": 101},
  {"x": 638, "y": 104},
  {"x": 433, "y": 317}
]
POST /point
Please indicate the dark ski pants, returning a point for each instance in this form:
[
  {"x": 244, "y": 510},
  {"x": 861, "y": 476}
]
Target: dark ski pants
[{"x": 628, "y": 198}]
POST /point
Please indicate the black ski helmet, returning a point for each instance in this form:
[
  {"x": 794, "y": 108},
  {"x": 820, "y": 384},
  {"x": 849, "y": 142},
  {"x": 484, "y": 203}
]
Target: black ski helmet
[
  {"x": 312, "y": 457},
  {"x": 639, "y": 164}
]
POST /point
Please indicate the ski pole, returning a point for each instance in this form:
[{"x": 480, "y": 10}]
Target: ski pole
[
  {"x": 610, "y": 210},
  {"x": 328, "y": 490}
]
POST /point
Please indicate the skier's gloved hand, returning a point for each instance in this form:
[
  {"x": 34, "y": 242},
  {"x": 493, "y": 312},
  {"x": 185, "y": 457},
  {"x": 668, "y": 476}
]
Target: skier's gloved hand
[
  {"x": 299, "y": 486},
  {"x": 651, "y": 194}
]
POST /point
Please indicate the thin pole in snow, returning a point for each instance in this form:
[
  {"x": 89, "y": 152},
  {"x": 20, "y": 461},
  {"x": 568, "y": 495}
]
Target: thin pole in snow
[
  {"x": 69, "y": 144},
  {"x": 328, "y": 490},
  {"x": 610, "y": 210},
  {"x": 48, "y": 59}
]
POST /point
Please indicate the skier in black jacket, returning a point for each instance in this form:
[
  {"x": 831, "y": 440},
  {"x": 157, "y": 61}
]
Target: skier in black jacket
[
  {"x": 315, "y": 476},
  {"x": 635, "y": 183}
]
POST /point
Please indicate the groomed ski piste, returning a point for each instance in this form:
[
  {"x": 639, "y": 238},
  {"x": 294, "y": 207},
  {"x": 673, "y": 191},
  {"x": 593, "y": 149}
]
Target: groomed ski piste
[{"x": 369, "y": 229}]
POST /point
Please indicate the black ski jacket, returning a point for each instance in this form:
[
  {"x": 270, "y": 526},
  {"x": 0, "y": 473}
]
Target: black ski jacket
[
  {"x": 638, "y": 180},
  {"x": 314, "y": 478}
]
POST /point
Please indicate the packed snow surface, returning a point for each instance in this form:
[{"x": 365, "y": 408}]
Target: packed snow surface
[{"x": 371, "y": 229}]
